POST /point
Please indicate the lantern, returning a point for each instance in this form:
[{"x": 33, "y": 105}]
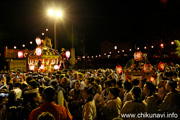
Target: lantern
[
  {"x": 119, "y": 69},
  {"x": 38, "y": 51},
  {"x": 20, "y": 54},
  {"x": 147, "y": 68},
  {"x": 67, "y": 53},
  {"x": 161, "y": 66},
  {"x": 56, "y": 67},
  {"x": 151, "y": 79},
  {"x": 41, "y": 67},
  {"x": 31, "y": 67},
  {"x": 137, "y": 56},
  {"x": 38, "y": 41}
]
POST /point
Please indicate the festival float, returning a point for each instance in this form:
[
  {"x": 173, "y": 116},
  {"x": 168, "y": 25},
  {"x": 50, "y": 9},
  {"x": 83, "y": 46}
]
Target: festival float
[
  {"x": 138, "y": 67},
  {"x": 44, "y": 58}
]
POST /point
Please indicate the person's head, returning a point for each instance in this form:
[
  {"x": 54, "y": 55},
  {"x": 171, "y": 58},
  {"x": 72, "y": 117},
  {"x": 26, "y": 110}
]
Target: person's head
[
  {"x": 97, "y": 81},
  {"x": 127, "y": 86},
  {"x": 77, "y": 84},
  {"x": 88, "y": 93},
  {"x": 54, "y": 84},
  {"x": 149, "y": 88},
  {"x": 12, "y": 98},
  {"x": 88, "y": 74},
  {"x": 69, "y": 72},
  {"x": 136, "y": 92},
  {"x": 46, "y": 116},
  {"x": 49, "y": 94},
  {"x": 119, "y": 84},
  {"x": 17, "y": 85},
  {"x": 33, "y": 84},
  {"x": 135, "y": 82},
  {"x": 113, "y": 82},
  {"x": 89, "y": 80},
  {"x": 107, "y": 84},
  {"x": 35, "y": 97},
  {"x": 74, "y": 76},
  {"x": 57, "y": 77},
  {"x": 171, "y": 86},
  {"x": 64, "y": 82},
  {"x": 79, "y": 76},
  {"x": 113, "y": 92}
]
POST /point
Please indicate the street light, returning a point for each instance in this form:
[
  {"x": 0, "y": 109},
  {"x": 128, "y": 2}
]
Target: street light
[{"x": 56, "y": 14}]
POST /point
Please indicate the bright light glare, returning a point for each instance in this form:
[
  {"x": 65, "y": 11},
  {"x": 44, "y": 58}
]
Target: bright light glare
[
  {"x": 59, "y": 14},
  {"x": 51, "y": 12}
]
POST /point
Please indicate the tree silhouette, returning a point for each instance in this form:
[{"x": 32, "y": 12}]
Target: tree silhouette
[{"x": 177, "y": 42}]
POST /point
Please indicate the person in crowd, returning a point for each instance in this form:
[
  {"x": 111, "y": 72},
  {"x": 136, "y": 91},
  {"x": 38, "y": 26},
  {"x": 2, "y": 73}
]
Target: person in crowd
[
  {"x": 150, "y": 98},
  {"x": 13, "y": 108},
  {"x": 89, "y": 110},
  {"x": 128, "y": 96},
  {"x": 112, "y": 108},
  {"x": 120, "y": 87},
  {"x": 97, "y": 81},
  {"x": 113, "y": 82},
  {"x": 62, "y": 92},
  {"x": 46, "y": 116},
  {"x": 81, "y": 78},
  {"x": 34, "y": 100},
  {"x": 75, "y": 101},
  {"x": 178, "y": 86},
  {"x": 74, "y": 78},
  {"x": 161, "y": 91},
  {"x": 3, "y": 101},
  {"x": 170, "y": 102},
  {"x": 58, "y": 111},
  {"x": 18, "y": 91},
  {"x": 54, "y": 84},
  {"x": 88, "y": 81},
  {"x": 87, "y": 74},
  {"x": 33, "y": 87},
  {"x": 105, "y": 92},
  {"x": 69, "y": 73},
  {"x": 109, "y": 77},
  {"x": 135, "y": 105},
  {"x": 127, "y": 88}
]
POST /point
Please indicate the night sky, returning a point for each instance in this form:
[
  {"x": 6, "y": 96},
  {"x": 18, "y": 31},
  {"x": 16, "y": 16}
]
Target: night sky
[{"x": 139, "y": 21}]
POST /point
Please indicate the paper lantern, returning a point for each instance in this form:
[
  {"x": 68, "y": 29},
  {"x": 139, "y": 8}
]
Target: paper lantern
[
  {"x": 137, "y": 56},
  {"x": 41, "y": 67},
  {"x": 67, "y": 53},
  {"x": 119, "y": 69},
  {"x": 31, "y": 67},
  {"x": 151, "y": 79},
  {"x": 38, "y": 51},
  {"x": 56, "y": 67},
  {"x": 161, "y": 66},
  {"x": 38, "y": 41},
  {"x": 147, "y": 68},
  {"x": 20, "y": 54}
]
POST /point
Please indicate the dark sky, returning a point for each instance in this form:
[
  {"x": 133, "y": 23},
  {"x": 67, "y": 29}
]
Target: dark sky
[{"x": 138, "y": 21}]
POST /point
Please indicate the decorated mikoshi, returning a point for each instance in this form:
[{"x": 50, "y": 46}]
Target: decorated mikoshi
[
  {"x": 138, "y": 67},
  {"x": 44, "y": 58}
]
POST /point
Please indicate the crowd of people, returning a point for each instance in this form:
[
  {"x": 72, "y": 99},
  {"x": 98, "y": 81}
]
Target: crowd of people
[{"x": 100, "y": 94}]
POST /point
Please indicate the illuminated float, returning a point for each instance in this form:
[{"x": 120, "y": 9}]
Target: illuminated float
[
  {"x": 138, "y": 67},
  {"x": 44, "y": 58}
]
